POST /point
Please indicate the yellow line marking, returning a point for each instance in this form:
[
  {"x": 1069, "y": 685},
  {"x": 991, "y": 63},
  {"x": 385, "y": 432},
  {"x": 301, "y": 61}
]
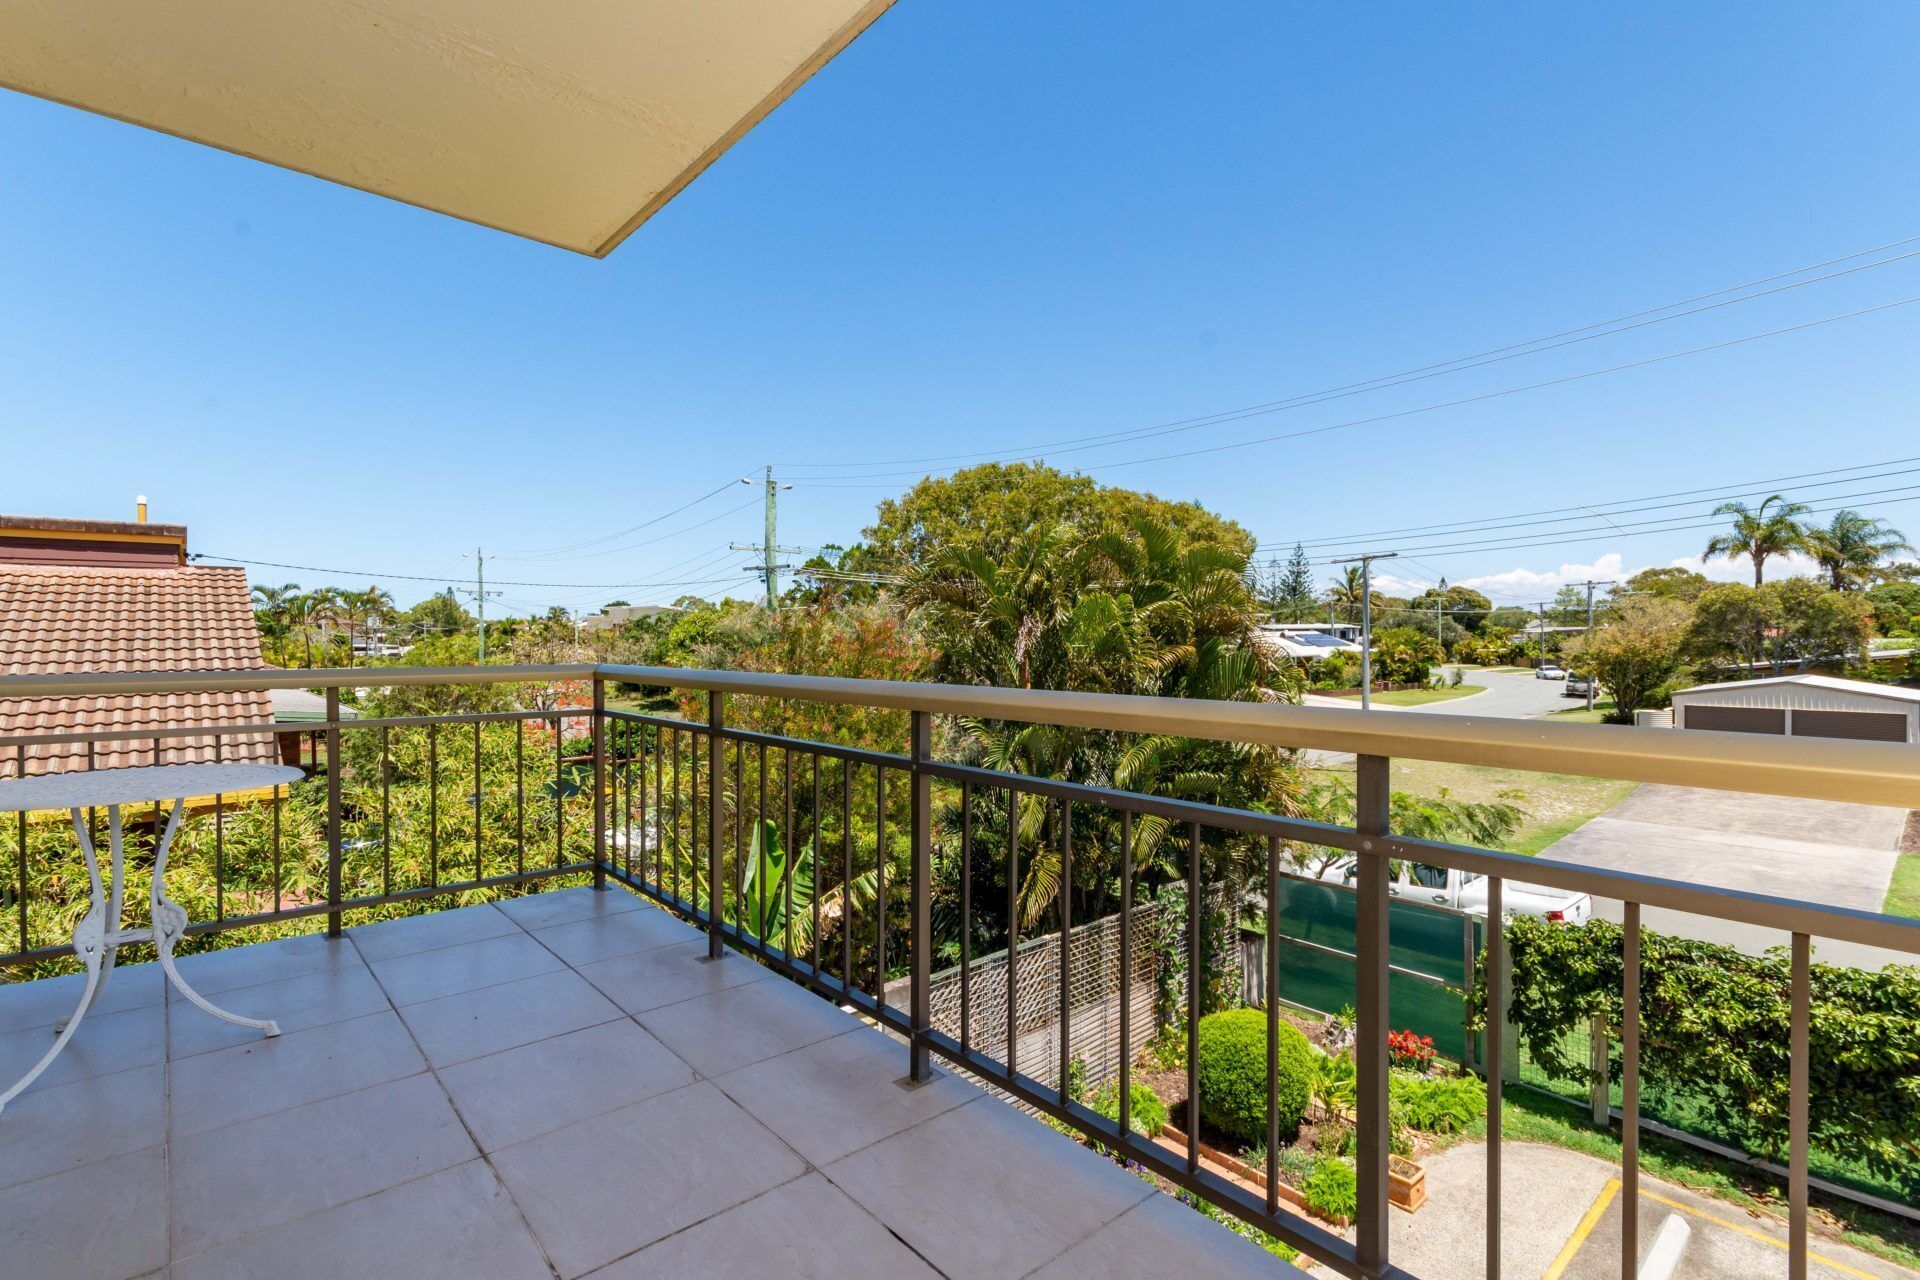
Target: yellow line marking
[
  {"x": 1585, "y": 1229},
  {"x": 1757, "y": 1235}
]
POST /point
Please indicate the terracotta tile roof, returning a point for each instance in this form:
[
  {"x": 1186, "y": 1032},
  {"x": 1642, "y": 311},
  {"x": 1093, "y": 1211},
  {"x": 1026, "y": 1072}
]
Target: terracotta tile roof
[{"x": 58, "y": 619}]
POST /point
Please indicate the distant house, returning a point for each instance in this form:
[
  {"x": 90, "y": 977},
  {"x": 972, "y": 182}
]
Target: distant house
[
  {"x": 1802, "y": 706},
  {"x": 621, "y": 614},
  {"x": 1308, "y": 641},
  {"x": 100, "y": 595}
]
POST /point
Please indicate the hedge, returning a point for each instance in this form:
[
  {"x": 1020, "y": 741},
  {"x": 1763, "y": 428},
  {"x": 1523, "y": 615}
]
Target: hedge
[{"x": 1715, "y": 1024}]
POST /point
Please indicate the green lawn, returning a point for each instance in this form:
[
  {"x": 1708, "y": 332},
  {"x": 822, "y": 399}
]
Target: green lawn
[
  {"x": 1421, "y": 697},
  {"x": 1602, "y": 708},
  {"x": 1903, "y": 895},
  {"x": 1555, "y": 803}
]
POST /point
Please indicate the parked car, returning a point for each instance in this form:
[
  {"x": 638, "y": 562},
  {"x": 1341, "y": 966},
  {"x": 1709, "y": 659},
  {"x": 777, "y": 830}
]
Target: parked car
[
  {"x": 1467, "y": 891},
  {"x": 1578, "y": 686},
  {"x": 1549, "y": 671}
]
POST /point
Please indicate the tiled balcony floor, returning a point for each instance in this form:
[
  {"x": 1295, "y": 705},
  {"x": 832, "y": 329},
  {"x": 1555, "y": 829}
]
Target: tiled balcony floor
[{"x": 557, "y": 1086}]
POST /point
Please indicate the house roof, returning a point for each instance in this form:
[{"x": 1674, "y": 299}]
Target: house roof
[
  {"x": 60, "y": 619},
  {"x": 570, "y": 124},
  {"x": 1863, "y": 688}
]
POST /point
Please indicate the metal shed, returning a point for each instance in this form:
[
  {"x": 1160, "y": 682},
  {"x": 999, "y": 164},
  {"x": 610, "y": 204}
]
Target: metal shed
[{"x": 1805, "y": 706}]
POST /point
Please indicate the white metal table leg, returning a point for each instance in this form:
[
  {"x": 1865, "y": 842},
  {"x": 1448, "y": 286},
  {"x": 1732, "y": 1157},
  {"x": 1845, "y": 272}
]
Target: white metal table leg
[
  {"x": 116, "y": 895},
  {"x": 90, "y": 937},
  {"x": 170, "y": 925}
]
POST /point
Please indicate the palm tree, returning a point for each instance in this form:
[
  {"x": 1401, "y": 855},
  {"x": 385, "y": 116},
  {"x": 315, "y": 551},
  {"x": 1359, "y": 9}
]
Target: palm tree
[
  {"x": 1760, "y": 532},
  {"x": 273, "y": 610},
  {"x": 317, "y": 607},
  {"x": 1852, "y": 547},
  {"x": 1348, "y": 594}
]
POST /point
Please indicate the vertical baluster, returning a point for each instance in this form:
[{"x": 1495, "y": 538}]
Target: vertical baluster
[
  {"x": 966, "y": 916},
  {"x": 479, "y": 855},
  {"x": 1195, "y": 890},
  {"x": 675, "y": 852},
  {"x": 716, "y": 821},
  {"x": 20, "y": 835},
  {"x": 1372, "y": 818},
  {"x": 386, "y": 811},
  {"x": 791, "y": 845},
  {"x": 219, "y": 846},
  {"x": 519, "y": 797},
  {"x": 1066, "y": 945},
  {"x": 880, "y": 888},
  {"x": 760, "y": 845},
  {"x": 1799, "y": 1085},
  {"x": 1630, "y": 1093},
  {"x": 559, "y": 792},
  {"x": 1125, "y": 1127},
  {"x": 739, "y": 885},
  {"x": 433, "y": 805},
  {"x": 1013, "y": 930},
  {"x": 920, "y": 895},
  {"x": 333, "y": 811},
  {"x": 846, "y": 876},
  {"x": 813, "y": 863},
  {"x": 599, "y": 727},
  {"x": 1272, "y": 984},
  {"x": 1495, "y": 1040},
  {"x": 278, "y": 793}
]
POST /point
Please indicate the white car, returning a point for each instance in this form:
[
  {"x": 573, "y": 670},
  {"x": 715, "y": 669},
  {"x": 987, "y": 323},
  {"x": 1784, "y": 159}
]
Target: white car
[
  {"x": 1467, "y": 891},
  {"x": 1549, "y": 671}
]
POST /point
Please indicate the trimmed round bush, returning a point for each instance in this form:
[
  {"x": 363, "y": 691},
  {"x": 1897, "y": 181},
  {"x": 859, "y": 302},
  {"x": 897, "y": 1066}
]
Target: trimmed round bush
[{"x": 1233, "y": 1074}]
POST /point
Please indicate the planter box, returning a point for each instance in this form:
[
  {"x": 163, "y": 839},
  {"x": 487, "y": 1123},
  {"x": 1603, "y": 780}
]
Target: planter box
[
  {"x": 1240, "y": 1171},
  {"x": 1406, "y": 1183}
]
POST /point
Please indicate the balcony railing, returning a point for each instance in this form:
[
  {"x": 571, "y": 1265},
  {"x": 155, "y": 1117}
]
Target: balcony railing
[{"x": 708, "y": 819}]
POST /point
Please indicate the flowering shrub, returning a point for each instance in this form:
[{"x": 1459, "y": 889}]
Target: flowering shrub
[{"x": 1409, "y": 1051}]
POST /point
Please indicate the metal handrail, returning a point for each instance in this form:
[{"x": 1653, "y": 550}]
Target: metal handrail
[{"x": 1819, "y": 769}]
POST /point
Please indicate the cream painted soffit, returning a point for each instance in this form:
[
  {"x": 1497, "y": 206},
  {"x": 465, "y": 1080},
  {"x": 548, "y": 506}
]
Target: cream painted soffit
[{"x": 565, "y": 121}]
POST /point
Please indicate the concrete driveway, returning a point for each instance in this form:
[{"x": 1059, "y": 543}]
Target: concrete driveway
[
  {"x": 1814, "y": 850},
  {"x": 1510, "y": 695}
]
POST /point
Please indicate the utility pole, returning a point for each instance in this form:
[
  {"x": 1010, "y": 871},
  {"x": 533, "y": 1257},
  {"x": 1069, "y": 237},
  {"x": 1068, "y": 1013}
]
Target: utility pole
[
  {"x": 1366, "y": 620},
  {"x": 770, "y": 547},
  {"x": 480, "y": 594},
  {"x": 1543, "y": 633},
  {"x": 1590, "y": 584}
]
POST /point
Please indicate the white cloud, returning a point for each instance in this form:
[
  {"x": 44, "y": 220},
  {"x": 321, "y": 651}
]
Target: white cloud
[
  {"x": 1521, "y": 585},
  {"x": 1722, "y": 569}
]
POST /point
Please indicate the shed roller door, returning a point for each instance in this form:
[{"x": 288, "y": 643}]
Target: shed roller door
[
  {"x": 1737, "y": 719},
  {"x": 1869, "y": 726}
]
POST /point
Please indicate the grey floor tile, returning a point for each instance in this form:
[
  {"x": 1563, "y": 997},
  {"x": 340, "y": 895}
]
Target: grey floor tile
[
  {"x": 455, "y": 1028},
  {"x": 447, "y": 971},
  {"x": 522, "y": 1093},
  {"x": 683, "y": 1155},
  {"x": 836, "y": 1096},
  {"x": 230, "y": 968},
  {"x": 385, "y": 939},
  {"x": 563, "y": 906},
  {"x": 746, "y": 1024},
  {"x": 48, "y": 1130},
  {"x": 619, "y": 934},
  {"x": 105, "y": 1043},
  {"x": 45, "y": 1001},
  {"x": 1160, "y": 1236},
  {"x": 805, "y": 1230},
  {"x": 454, "y": 1225},
  {"x": 106, "y": 1221},
  {"x": 1010, "y": 1193},
  {"x": 233, "y": 1181},
  {"x": 257, "y": 1079},
  {"x": 311, "y": 1000},
  {"x": 668, "y": 975}
]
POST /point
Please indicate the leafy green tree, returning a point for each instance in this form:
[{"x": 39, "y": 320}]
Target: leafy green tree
[
  {"x": 441, "y": 614},
  {"x": 1852, "y": 547},
  {"x": 1784, "y": 625},
  {"x": 1637, "y": 652},
  {"x": 1404, "y": 655},
  {"x": 1895, "y": 605},
  {"x": 1760, "y": 533},
  {"x": 1290, "y": 594},
  {"x": 1679, "y": 584}
]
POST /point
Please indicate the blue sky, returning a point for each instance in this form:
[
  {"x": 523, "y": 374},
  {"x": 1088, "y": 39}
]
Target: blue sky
[{"x": 989, "y": 227}]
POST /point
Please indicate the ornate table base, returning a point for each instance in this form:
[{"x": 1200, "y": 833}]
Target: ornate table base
[{"x": 99, "y": 936}]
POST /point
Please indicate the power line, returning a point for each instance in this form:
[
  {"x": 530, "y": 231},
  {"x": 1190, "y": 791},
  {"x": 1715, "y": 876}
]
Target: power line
[
  {"x": 1533, "y": 346},
  {"x": 558, "y": 552},
  {"x": 1618, "y": 506},
  {"x": 414, "y": 577}
]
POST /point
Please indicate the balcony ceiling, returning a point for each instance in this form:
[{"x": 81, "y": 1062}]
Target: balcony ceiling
[{"x": 568, "y": 123}]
